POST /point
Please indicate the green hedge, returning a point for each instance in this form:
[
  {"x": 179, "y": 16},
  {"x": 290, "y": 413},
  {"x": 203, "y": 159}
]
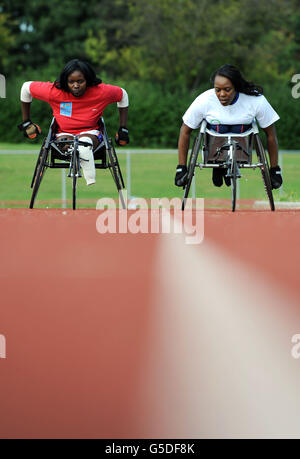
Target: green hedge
[{"x": 154, "y": 115}]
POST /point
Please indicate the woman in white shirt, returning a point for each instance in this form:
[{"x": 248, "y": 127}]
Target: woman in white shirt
[{"x": 230, "y": 106}]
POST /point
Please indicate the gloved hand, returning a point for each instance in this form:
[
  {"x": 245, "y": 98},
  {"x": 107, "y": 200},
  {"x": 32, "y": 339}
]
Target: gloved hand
[
  {"x": 122, "y": 137},
  {"x": 276, "y": 177},
  {"x": 30, "y": 129},
  {"x": 181, "y": 175}
]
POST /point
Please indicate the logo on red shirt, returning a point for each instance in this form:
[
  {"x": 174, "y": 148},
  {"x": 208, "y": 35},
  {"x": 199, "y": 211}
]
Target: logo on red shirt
[{"x": 66, "y": 108}]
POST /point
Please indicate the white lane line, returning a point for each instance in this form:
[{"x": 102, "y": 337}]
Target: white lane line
[{"x": 278, "y": 205}]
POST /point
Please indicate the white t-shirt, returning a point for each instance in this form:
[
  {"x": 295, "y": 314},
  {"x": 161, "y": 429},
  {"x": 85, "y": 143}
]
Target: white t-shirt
[{"x": 243, "y": 111}]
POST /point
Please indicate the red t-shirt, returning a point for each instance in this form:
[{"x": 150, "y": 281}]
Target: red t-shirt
[{"x": 76, "y": 114}]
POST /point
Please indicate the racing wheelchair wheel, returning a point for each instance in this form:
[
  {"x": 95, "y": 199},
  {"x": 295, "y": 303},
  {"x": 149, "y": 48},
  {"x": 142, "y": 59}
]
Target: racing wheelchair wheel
[
  {"x": 233, "y": 186},
  {"x": 75, "y": 172},
  {"x": 233, "y": 177},
  {"x": 191, "y": 167},
  {"x": 261, "y": 154},
  {"x": 114, "y": 167},
  {"x": 39, "y": 171}
]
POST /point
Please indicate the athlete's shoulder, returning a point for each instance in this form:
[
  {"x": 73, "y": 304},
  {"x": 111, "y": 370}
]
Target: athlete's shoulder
[
  {"x": 107, "y": 92},
  {"x": 101, "y": 90},
  {"x": 41, "y": 84},
  {"x": 209, "y": 94},
  {"x": 103, "y": 87},
  {"x": 204, "y": 99},
  {"x": 44, "y": 90},
  {"x": 254, "y": 99}
]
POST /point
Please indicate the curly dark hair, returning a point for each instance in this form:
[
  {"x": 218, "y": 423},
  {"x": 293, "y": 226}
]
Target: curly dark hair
[
  {"x": 70, "y": 67},
  {"x": 240, "y": 84}
]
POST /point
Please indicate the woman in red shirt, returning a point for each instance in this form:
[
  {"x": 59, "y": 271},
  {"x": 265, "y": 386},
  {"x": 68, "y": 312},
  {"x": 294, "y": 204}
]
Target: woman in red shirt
[{"x": 78, "y": 99}]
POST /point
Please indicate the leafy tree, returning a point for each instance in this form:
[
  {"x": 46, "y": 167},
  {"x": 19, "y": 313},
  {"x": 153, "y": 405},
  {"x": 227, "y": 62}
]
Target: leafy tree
[
  {"x": 162, "y": 51},
  {"x": 49, "y": 33},
  {"x": 182, "y": 42},
  {"x": 6, "y": 41}
]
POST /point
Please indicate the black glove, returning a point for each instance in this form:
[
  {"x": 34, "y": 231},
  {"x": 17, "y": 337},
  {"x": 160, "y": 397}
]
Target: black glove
[
  {"x": 30, "y": 129},
  {"x": 276, "y": 177},
  {"x": 122, "y": 137},
  {"x": 181, "y": 175}
]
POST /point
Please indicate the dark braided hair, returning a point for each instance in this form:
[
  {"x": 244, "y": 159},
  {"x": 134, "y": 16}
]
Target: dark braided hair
[
  {"x": 240, "y": 84},
  {"x": 70, "y": 67}
]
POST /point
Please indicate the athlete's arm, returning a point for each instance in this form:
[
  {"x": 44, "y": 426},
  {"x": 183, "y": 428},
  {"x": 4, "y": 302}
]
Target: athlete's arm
[
  {"x": 25, "y": 107},
  {"x": 122, "y": 136},
  {"x": 123, "y": 115},
  {"x": 26, "y": 99},
  {"x": 184, "y": 143},
  {"x": 29, "y": 129},
  {"x": 123, "y": 109},
  {"x": 272, "y": 144}
]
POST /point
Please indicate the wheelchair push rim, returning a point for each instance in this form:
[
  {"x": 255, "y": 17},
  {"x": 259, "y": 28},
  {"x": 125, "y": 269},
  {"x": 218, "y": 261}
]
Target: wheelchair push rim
[
  {"x": 39, "y": 172},
  {"x": 115, "y": 170},
  {"x": 191, "y": 167},
  {"x": 233, "y": 177},
  {"x": 264, "y": 169},
  {"x": 75, "y": 173},
  {"x": 233, "y": 185}
]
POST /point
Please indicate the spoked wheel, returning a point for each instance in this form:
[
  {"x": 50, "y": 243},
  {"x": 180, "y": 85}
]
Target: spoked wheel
[
  {"x": 37, "y": 164},
  {"x": 233, "y": 174},
  {"x": 117, "y": 165},
  {"x": 264, "y": 169},
  {"x": 191, "y": 167},
  {"x": 75, "y": 174},
  {"x": 115, "y": 170},
  {"x": 233, "y": 185},
  {"x": 38, "y": 173}
]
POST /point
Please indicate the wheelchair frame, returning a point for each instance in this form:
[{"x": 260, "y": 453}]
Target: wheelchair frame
[
  {"x": 231, "y": 163},
  {"x": 50, "y": 156}
]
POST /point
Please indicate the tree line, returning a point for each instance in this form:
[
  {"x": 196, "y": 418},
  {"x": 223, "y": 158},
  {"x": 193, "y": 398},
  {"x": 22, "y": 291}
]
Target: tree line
[{"x": 162, "y": 51}]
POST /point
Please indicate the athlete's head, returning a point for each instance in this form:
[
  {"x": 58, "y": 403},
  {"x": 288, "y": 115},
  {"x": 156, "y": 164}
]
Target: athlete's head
[
  {"x": 228, "y": 80},
  {"x": 76, "y": 76}
]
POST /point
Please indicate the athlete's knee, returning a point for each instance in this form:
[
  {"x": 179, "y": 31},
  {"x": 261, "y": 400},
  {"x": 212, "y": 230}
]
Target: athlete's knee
[
  {"x": 87, "y": 160},
  {"x": 86, "y": 151}
]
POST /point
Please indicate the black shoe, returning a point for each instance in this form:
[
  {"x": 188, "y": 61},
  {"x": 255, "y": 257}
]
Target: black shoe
[
  {"x": 217, "y": 176},
  {"x": 181, "y": 175},
  {"x": 276, "y": 177},
  {"x": 227, "y": 180}
]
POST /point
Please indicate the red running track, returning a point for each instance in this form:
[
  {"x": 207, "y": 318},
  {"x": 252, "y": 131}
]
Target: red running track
[{"x": 96, "y": 340}]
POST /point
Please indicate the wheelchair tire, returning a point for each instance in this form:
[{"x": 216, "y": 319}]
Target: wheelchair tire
[
  {"x": 37, "y": 163},
  {"x": 115, "y": 170},
  {"x": 233, "y": 186},
  {"x": 233, "y": 179},
  {"x": 116, "y": 161},
  {"x": 38, "y": 174},
  {"x": 264, "y": 169},
  {"x": 75, "y": 172},
  {"x": 191, "y": 167}
]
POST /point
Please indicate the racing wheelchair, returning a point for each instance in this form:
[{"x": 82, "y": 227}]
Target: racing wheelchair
[
  {"x": 56, "y": 153},
  {"x": 231, "y": 152}
]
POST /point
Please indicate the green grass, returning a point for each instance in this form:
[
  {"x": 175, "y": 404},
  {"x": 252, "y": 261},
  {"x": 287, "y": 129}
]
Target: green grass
[
  {"x": 18, "y": 146},
  {"x": 152, "y": 176}
]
